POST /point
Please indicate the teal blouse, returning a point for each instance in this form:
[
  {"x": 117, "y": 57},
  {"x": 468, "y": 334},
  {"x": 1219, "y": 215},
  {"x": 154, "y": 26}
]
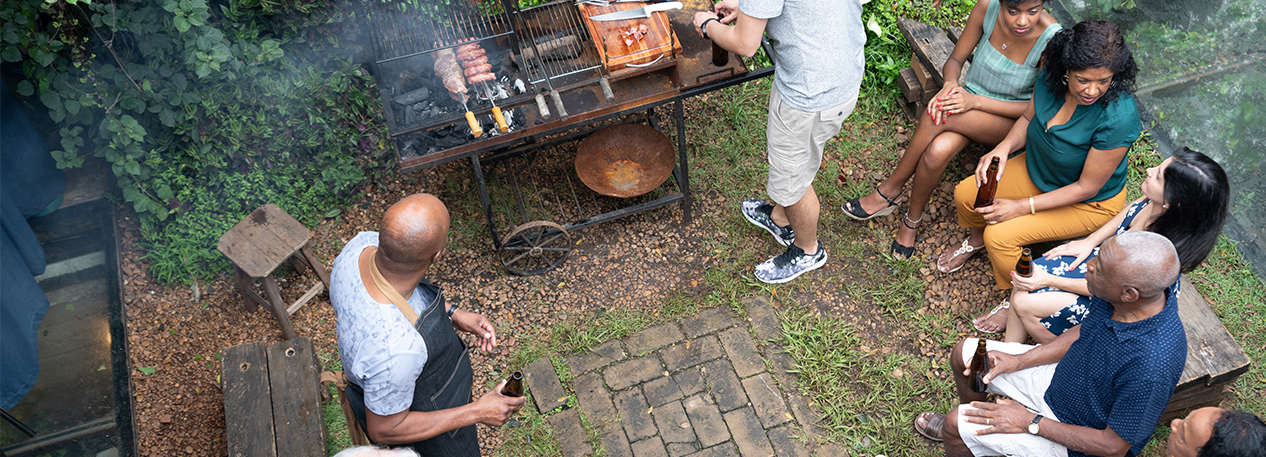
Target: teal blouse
[
  {"x": 1056, "y": 157},
  {"x": 993, "y": 75}
]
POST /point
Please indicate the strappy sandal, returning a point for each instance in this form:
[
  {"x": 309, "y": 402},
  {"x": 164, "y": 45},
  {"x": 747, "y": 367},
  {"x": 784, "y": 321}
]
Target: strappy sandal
[
  {"x": 854, "y": 209},
  {"x": 965, "y": 250},
  {"x": 1005, "y": 305},
  {"x": 934, "y": 423},
  {"x": 902, "y": 251}
]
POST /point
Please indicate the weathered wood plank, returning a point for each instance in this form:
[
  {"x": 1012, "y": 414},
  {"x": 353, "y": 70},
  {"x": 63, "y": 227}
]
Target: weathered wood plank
[
  {"x": 278, "y": 308},
  {"x": 930, "y": 45},
  {"x": 248, "y": 410},
  {"x": 263, "y": 240},
  {"x": 1213, "y": 356},
  {"x": 296, "y": 405},
  {"x": 909, "y": 84}
]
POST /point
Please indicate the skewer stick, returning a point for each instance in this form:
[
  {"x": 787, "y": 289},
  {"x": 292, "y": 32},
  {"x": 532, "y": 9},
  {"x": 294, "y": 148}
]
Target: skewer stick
[
  {"x": 496, "y": 110},
  {"x": 475, "y": 129}
]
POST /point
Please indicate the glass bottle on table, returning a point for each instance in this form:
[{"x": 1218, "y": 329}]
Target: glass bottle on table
[{"x": 720, "y": 56}]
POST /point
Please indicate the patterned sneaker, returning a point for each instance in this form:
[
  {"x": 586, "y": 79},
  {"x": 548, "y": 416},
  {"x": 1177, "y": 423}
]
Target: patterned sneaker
[
  {"x": 757, "y": 212},
  {"x": 791, "y": 263}
]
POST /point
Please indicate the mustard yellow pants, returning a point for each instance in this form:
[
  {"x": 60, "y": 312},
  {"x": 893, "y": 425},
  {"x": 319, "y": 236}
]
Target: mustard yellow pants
[{"x": 1004, "y": 241}]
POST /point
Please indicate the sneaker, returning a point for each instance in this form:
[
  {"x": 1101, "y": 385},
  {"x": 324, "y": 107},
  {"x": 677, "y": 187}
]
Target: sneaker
[
  {"x": 757, "y": 212},
  {"x": 791, "y": 263}
]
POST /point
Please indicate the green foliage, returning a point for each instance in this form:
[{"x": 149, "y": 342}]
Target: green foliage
[
  {"x": 203, "y": 111},
  {"x": 886, "y": 50}
]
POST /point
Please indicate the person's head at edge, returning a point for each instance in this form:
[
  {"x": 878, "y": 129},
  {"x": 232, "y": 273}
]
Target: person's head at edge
[
  {"x": 1090, "y": 61},
  {"x": 1133, "y": 267},
  {"x": 413, "y": 235},
  {"x": 374, "y": 451},
  {"x": 1194, "y": 192},
  {"x": 1217, "y": 432}
]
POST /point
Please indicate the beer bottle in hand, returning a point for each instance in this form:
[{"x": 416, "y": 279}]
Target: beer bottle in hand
[
  {"x": 979, "y": 367},
  {"x": 984, "y": 195},
  {"x": 720, "y": 57},
  {"x": 514, "y": 385},
  {"x": 1025, "y": 266}
]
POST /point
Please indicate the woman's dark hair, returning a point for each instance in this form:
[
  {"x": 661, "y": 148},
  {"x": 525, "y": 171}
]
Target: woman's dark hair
[
  {"x": 1197, "y": 193},
  {"x": 1236, "y": 434},
  {"x": 1090, "y": 44},
  {"x": 1017, "y": 3}
]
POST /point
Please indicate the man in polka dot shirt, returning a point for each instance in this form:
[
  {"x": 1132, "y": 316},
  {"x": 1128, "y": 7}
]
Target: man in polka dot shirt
[{"x": 1097, "y": 389}]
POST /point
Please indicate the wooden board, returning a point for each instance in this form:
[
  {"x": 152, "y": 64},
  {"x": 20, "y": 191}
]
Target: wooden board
[
  {"x": 263, "y": 240},
  {"x": 296, "y": 403},
  {"x": 1214, "y": 359},
  {"x": 248, "y": 410},
  {"x": 615, "y": 53},
  {"x": 909, "y": 84},
  {"x": 931, "y": 46}
]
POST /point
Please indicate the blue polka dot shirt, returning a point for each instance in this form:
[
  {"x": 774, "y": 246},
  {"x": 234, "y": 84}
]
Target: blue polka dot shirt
[{"x": 1120, "y": 375}]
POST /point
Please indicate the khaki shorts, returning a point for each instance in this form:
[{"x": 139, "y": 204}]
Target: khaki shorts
[
  {"x": 1028, "y": 387},
  {"x": 796, "y": 139}
]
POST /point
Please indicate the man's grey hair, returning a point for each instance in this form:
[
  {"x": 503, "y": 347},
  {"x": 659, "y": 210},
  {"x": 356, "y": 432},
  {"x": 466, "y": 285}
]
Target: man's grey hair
[
  {"x": 373, "y": 451},
  {"x": 1148, "y": 261}
]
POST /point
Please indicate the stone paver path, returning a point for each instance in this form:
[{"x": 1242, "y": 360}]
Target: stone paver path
[{"x": 709, "y": 385}]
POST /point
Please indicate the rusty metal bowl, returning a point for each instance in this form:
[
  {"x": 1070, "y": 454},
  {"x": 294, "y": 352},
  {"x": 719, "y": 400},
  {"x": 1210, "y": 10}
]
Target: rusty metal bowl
[{"x": 625, "y": 160}]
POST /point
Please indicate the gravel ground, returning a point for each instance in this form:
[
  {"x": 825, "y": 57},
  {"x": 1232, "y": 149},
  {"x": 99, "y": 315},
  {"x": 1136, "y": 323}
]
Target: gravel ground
[{"x": 631, "y": 263}]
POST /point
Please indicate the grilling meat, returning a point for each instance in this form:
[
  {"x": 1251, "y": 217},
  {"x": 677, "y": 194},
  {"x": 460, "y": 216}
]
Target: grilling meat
[
  {"x": 475, "y": 61},
  {"x": 447, "y": 69}
]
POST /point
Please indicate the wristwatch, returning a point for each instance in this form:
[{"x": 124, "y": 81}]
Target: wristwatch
[
  {"x": 704, "y": 26},
  {"x": 1033, "y": 428}
]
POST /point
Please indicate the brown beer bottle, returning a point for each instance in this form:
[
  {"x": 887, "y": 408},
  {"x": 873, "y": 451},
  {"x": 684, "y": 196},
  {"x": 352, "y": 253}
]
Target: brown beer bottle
[
  {"x": 979, "y": 367},
  {"x": 984, "y": 196},
  {"x": 1025, "y": 266},
  {"x": 720, "y": 57},
  {"x": 514, "y": 385}
]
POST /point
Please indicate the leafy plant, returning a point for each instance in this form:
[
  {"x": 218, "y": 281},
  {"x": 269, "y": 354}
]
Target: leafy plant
[{"x": 203, "y": 111}]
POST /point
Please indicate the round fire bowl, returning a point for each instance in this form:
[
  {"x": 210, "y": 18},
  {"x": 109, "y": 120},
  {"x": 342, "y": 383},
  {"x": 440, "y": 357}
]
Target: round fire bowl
[{"x": 625, "y": 160}]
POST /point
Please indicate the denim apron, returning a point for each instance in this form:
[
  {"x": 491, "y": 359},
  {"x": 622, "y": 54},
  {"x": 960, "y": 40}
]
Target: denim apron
[{"x": 445, "y": 381}]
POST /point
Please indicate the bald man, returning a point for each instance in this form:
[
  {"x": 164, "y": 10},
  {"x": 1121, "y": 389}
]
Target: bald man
[
  {"x": 1097, "y": 389},
  {"x": 409, "y": 372}
]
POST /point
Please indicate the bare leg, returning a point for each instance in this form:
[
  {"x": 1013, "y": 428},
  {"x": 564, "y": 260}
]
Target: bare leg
[
  {"x": 923, "y": 136},
  {"x": 1030, "y": 309},
  {"x": 803, "y": 218}
]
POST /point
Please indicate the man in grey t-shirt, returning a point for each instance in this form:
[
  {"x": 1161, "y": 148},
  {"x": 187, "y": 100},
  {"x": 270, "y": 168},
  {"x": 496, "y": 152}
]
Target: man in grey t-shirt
[{"x": 818, "y": 67}]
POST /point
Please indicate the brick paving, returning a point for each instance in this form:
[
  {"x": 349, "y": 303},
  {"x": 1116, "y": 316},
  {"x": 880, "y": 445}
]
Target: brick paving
[{"x": 699, "y": 387}]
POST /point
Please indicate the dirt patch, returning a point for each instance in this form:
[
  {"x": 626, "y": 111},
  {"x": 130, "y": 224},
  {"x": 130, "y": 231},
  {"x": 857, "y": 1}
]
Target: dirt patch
[{"x": 633, "y": 263}]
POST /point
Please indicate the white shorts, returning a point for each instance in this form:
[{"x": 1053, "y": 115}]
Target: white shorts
[
  {"x": 796, "y": 139},
  {"x": 1028, "y": 387}
]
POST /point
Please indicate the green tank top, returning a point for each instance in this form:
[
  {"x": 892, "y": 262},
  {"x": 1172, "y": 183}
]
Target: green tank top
[{"x": 993, "y": 75}]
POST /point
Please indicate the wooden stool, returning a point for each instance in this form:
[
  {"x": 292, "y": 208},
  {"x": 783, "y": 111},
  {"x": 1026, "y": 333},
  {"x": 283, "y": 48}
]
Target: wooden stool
[{"x": 258, "y": 245}]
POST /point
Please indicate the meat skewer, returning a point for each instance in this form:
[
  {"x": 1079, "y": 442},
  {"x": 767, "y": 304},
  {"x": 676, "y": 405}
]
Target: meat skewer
[
  {"x": 447, "y": 69},
  {"x": 478, "y": 71}
]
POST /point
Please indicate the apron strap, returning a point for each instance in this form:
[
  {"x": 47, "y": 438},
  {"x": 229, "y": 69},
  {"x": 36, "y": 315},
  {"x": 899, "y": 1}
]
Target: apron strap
[{"x": 390, "y": 292}]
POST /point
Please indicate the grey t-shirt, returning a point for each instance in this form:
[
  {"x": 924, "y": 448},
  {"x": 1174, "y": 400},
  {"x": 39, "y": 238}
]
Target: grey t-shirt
[
  {"x": 380, "y": 349},
  {"x": 818, "y": 61}
]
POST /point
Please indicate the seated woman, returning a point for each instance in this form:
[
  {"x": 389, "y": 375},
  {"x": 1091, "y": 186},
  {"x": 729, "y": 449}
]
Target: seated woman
[
  {"x": 1184, "y": 198},
  {"x": 1071, "y": 178},
  {"x": 996, "y": 91}
]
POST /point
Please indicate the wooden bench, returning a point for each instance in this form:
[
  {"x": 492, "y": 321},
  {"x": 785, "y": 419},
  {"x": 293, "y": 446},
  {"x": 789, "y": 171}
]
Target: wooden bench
[
  {"x": 932, "y": 46},
  {"x": 272, "y": 400},
  {"x": 1214, "y": 359}
]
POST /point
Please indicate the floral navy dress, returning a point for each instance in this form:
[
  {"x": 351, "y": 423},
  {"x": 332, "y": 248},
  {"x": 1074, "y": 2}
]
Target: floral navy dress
[{"x": 1072, "y": 314}]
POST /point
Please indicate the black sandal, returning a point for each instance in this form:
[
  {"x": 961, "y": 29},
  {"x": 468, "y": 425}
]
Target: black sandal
[
  {"x": 899, "y": 250},
  {"x": 860, "y": 214}
]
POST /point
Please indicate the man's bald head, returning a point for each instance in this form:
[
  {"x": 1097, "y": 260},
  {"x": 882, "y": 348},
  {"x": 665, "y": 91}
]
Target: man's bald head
[
  {"x": 413, "y": 233},
  {"x": 1143, "y": 260}
]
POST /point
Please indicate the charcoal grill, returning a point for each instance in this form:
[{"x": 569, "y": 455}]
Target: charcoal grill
[{"x": 538, "y": 53}]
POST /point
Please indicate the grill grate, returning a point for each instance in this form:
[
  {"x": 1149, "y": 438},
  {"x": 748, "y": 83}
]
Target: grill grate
[
  {"x": 552, "y": 26},
  {"x": 401, "y": 31}
]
